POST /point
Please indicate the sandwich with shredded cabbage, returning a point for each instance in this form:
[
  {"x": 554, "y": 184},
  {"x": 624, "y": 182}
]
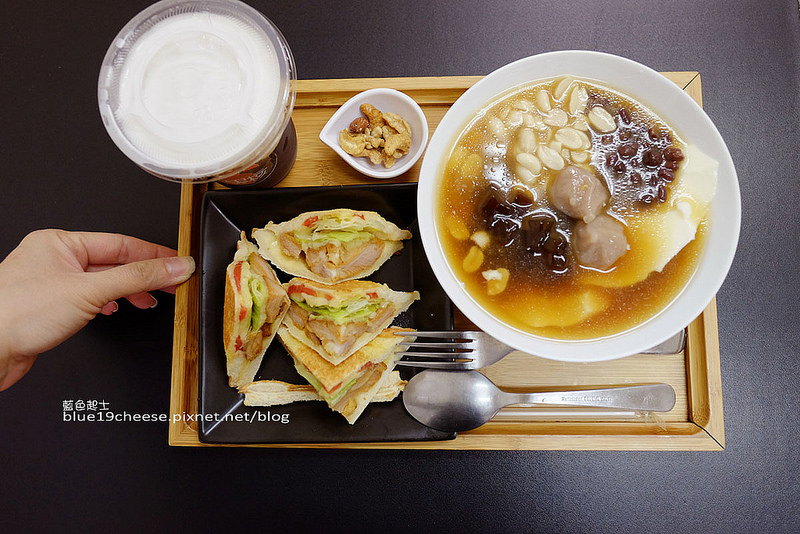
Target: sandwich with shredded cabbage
[
  {"x": 331, "y": 246},
  {"x": 277, "y": 392},
  {"x": 255, "y": 304},
  {"x": 350, "y": 386},
  {"x": 337, "y": 320}
]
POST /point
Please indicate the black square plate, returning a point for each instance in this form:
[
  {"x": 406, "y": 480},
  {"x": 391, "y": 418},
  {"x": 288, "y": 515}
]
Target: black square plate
[{"x": 224, "y": 417}]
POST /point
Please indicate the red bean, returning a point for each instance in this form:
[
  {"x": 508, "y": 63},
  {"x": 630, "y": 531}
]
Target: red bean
[
  {"x": 666, "y": 175},
  {"x": 627, "y": 150},
  {"x": 652, "y": 157},
  {"x": 672, "y": 153},
  {"x": 624, "y": 116}
]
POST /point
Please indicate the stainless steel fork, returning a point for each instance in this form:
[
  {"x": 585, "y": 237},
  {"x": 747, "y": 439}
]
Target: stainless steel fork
[{"x": 476, "y": 349}]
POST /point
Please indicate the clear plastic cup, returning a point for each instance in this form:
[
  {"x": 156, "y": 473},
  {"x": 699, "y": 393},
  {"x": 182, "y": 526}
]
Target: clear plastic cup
[{"x": 199, "y": 91}]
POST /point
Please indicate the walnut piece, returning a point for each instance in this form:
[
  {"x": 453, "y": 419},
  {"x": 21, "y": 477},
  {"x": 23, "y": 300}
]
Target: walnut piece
[
  {"x": 381, "y": 137},
  {"x": 358, "y": 125}
]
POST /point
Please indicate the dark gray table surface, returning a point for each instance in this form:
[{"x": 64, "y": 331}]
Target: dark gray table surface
[{"x": 60, "y": 169}]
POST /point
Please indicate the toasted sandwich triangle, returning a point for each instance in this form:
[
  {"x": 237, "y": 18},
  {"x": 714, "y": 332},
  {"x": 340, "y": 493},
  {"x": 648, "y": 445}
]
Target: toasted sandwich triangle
[
  {"x": 337, "y": 320},
  {"x": 350, "y": 386}
]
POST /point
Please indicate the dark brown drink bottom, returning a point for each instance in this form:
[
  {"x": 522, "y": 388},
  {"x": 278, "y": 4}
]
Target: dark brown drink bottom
[{"x": 271, "y": 170}]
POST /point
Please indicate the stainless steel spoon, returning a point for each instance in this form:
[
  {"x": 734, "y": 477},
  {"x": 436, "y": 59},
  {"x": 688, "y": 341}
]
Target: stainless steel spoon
[{"x": 456, "y": 401}]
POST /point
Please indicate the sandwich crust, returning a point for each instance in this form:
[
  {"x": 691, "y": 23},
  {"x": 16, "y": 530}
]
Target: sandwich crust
[
  {"x": 277, "y": 392},
  {"x": 228, "y": 314}
]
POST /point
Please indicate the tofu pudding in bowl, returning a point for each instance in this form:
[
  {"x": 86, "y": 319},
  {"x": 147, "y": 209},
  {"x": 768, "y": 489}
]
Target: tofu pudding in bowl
[{"x": 578, "y": 206}]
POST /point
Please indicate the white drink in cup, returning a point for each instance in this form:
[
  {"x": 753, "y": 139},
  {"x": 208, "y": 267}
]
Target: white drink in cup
[{"x": 199, "y": 91}]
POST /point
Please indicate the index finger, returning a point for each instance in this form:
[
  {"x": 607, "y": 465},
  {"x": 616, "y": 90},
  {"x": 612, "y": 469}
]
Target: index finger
[{"x": 106, "y": 248}]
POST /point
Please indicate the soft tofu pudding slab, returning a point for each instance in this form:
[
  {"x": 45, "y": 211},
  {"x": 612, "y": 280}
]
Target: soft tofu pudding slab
[
  {"x": 570, "y": 320},
  {"x": 572, "y": 211}
]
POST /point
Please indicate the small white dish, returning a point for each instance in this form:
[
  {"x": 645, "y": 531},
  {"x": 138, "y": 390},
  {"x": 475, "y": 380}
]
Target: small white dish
[{"x": 385, "y": 100}]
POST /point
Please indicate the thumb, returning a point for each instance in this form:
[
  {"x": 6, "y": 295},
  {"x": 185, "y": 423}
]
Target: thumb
[{"x": 139, "y": 276}]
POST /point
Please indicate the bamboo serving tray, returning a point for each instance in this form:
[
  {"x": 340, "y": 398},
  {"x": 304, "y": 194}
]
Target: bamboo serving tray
[{"x": 696, "y": 422}]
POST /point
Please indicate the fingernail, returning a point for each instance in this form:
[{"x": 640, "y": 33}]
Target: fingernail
[
  {"x": 155, "y": 302},
  {"x": 180, "y": 267}
]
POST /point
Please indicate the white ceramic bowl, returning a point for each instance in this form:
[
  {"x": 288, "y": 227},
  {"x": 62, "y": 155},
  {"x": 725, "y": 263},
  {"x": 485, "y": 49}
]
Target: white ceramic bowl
[
  {"x": 666, "y": 99},
  {"x": 385, "y": 100}
]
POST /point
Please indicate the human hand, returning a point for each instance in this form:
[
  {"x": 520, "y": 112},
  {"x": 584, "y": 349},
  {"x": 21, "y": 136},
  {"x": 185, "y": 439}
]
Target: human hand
[{"x": 55, "y": 282}]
